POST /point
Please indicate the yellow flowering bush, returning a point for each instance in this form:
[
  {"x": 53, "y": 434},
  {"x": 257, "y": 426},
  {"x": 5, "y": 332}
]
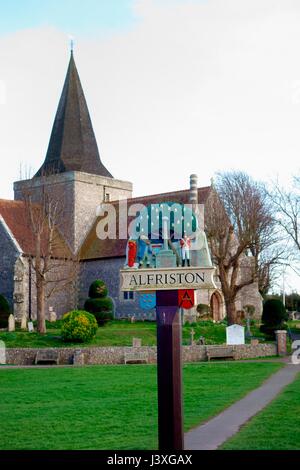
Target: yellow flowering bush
[{"x": 78, "y": 326}]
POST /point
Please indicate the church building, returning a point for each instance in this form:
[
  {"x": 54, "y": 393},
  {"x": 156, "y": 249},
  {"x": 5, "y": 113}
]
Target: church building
[{"x": 74, "y": 177}]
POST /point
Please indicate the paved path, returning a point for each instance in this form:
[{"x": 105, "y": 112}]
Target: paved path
[{"x": 211, "y": 435}]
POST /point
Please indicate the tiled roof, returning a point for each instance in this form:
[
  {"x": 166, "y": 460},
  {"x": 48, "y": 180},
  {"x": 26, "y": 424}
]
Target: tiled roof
[
  {"x": 94, "y": 248},
  {"x": 73, "y": 145},
  {"x": 16, "y": 218}
]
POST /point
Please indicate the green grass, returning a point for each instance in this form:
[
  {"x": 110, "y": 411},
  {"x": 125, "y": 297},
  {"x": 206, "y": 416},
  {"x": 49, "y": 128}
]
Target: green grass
[
  {"x": 117, "y": 333},
  {"x": 110, "y": 407},
  {"x": 277, "y": 427}
]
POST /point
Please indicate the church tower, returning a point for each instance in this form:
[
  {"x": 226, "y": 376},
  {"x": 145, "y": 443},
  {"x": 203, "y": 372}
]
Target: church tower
[{"x": 73, "y": 171}]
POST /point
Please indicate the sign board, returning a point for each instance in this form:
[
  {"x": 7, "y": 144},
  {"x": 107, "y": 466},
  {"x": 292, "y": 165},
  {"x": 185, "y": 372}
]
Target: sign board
[
  {"x": 167, "y": 279},
  {"x": 235, "y": 334}
]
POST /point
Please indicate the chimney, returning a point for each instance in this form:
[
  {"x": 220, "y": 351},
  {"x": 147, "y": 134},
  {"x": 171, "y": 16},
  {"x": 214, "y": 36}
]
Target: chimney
[{"x": 194, "y": 191}]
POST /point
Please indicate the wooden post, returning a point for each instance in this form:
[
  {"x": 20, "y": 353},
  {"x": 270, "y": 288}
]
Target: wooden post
[{"x": 169, "y": 375}]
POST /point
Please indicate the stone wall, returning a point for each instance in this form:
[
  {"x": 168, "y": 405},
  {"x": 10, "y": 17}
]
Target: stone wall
[
  {"x": 115, "y": 355},
  {"x": 80, "y": 194},
  {"x": 8, "y": 256},
  {"x": 108, "y": 270},
  {"x": 63, "y": 299}
]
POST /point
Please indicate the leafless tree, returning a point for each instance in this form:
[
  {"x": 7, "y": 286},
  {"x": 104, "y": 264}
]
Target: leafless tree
[
  {"x": 55, "y": 267},
  {"x": 240, "y": 228},
  {"x": 287, "y": 205}
]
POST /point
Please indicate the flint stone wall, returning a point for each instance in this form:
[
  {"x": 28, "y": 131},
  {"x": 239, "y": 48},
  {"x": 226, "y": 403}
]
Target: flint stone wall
[{"x": 115, "y": 355}]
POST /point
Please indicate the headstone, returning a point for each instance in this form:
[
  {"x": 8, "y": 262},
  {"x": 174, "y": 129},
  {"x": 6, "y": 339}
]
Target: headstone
[
  {"x": 30, "y": 327},
  {"x": 235, "y": 334},
  {"x": 248, "y": 332},
  {"x": 132, "y": 319},
  {"x": 201, "y": 341},
  {"x": 52, "y": 316},
  {"x": 136, "y": 342},
  {"x": 11, "y": 323},
  {"x": 2, "y": 353},
  {"x": 24, "y": 322},
  {"x": 192, "y": 337}
]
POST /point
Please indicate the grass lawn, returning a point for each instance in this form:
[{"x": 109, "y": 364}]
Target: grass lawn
[
  {"x": 117, "y": 333},
  {"x": 111, "y": 407},
  {"x": 277, "y": 427}
]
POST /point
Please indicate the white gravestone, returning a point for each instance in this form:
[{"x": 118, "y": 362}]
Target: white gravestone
[
  {"x": 24, "y": 322},
  {"x": 235, "y": 334},
  {"x": 30, "y": 327},
  {"x": 2, "y": 353},
  {"x": 53, "y": 317},
  {"x": 11, "y": 323}
]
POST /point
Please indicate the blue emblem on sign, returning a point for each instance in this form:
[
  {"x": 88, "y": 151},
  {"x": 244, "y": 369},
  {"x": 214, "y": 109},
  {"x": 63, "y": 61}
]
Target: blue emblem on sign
[{"x": 147, "y": 300}]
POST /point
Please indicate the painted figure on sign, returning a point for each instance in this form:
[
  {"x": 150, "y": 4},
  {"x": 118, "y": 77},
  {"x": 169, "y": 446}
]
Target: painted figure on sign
[
  {"x": 131, "y": 253},
  {"x": 144, "y": 252},
  {"x": 185, "y": 244}
]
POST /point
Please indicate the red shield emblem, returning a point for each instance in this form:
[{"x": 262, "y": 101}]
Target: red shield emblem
[{"x": 186, "y": 298}]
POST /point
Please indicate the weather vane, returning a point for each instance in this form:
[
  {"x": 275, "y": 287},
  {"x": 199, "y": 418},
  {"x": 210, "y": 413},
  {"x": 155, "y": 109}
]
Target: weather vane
[{"x": 71, "y": 43}]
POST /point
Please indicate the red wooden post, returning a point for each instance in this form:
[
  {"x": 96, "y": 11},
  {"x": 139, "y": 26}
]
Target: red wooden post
[{"x": 169, "y": 372}]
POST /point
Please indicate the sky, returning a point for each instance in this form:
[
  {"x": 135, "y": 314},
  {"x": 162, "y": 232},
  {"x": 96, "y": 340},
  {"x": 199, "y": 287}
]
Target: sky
[{"x": 174, "y": 87}]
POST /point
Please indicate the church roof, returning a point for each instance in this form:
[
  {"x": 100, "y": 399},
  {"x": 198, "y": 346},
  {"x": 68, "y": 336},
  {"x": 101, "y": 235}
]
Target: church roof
[
  {"x": 73, "y": 145},
  {"x": 94, "y": 248},
  {"x": 16, "y": 219}
]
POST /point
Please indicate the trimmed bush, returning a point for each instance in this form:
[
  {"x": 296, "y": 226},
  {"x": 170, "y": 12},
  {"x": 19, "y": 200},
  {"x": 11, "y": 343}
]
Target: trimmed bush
[
  {"x": 203, "y": 311},
  {"x": 102, "y": 309},
  {"x": 99, "y": 304},
  {"x": 4, "y": 312},
  {"x": 274, "y": 317},
  {"x": 78, "y": 326},
  {"x": 98, "y": 290}
]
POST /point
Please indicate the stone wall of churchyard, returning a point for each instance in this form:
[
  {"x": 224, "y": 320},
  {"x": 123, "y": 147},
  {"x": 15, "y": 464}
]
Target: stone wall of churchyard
[
  {"x": 8, "y": 257},
  {"x": 109, "y": 271},
  {"x": 115, "y": 355}
]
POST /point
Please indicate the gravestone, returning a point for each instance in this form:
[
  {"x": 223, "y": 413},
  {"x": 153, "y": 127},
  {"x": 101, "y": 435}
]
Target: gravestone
[
  {"x": 24, "y": 322},
  {"x": 11, "y": 323},
  {"x": 192, "y": 337},
  {"x": 136, "y": 342},
  {"x": 2, "y": 353},
  {"x": 248, "y": 332},
  {"x": 235, "y": 334},
  {"x": 132, "y": 319},
  {"x": 52, "y": 315},
  {"x": 30, "y": 327}
]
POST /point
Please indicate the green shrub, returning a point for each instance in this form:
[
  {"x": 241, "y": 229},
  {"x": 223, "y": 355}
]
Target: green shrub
[
  {"x": 204, "y": 311},
  {"x": 274, "y": 317},
  {"x": 102, "y": 309},
  {"x": 78, "y": 326},
  {"x": 98, "y": 290},
  {"x": 99, "y": 304},
  {"x": 4, "y": 312}
]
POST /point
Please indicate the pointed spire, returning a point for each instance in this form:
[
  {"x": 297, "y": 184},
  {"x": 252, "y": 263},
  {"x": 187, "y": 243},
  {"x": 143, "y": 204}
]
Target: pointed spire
[{"x": 73, "y": 145}]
